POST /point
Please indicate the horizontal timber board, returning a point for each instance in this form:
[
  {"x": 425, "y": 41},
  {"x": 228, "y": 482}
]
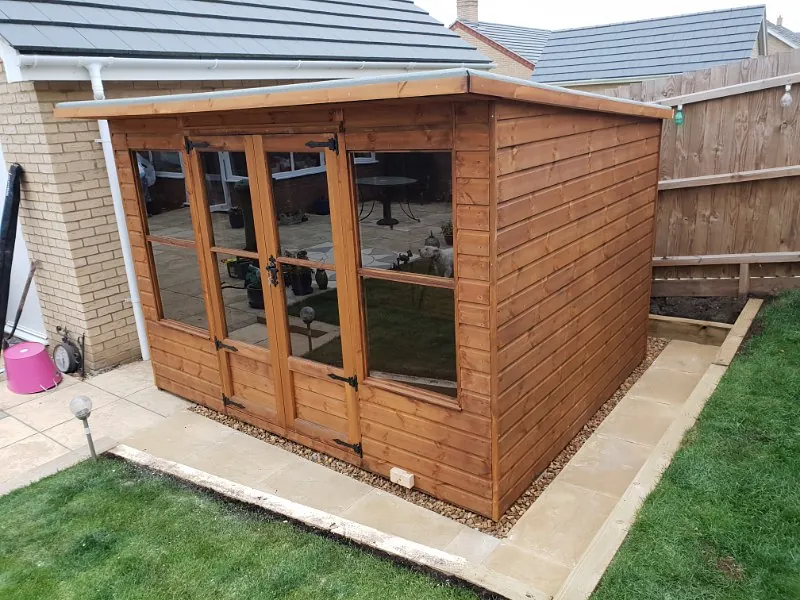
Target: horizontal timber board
[
  {"x": 575, "y": 170},
  {"x": 524, "y": 130}
]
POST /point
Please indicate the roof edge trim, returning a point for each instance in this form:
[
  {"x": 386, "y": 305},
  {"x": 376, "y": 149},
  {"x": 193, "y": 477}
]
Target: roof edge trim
[{"x": 458, "y": 24}]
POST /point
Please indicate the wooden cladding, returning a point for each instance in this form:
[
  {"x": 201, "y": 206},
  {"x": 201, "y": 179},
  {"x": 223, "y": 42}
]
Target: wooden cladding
[
  {"x": 573, "y": 240},
  {"x": 553, "y": 214}
]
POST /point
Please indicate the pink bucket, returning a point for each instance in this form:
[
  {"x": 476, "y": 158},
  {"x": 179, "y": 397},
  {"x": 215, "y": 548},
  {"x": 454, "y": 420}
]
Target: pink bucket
[{"x": 30, "y": 369}]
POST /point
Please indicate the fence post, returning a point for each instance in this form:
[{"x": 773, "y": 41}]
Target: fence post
[{"x": 744, "y": 278}]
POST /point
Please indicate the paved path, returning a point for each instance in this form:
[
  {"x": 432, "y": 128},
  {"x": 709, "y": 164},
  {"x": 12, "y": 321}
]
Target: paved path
[
  {"x": 39, "y": 435},
  {"x": 541, "y": 549}
]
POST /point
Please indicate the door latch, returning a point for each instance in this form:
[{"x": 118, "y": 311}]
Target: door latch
[
  {"x": 351, "y": 381},
  {"x": 354, "y": 447},
  {"x": 272, "y": 268},
  {"x": 331, "y": 144},
  {"x": 220, "y": 345}
]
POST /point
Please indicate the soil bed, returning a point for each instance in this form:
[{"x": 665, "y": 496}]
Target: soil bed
[
  {"x": 479, "y": 522},
  {"x": 721, "y": 309}
]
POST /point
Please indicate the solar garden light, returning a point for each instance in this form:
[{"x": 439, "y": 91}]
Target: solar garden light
[
  {"x": 308, "y": 315},
  {"x": 81, "y": 407}
]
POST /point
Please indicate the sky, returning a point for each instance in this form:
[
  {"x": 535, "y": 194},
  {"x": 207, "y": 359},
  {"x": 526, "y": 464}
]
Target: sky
[{"x": 581, "y": 13}]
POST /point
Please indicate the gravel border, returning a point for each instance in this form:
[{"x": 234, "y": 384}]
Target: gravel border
[{"x": 463, "y": 516}]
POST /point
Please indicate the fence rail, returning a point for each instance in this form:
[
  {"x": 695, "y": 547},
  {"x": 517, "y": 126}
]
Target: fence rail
[{"x": 728, "y": 179}]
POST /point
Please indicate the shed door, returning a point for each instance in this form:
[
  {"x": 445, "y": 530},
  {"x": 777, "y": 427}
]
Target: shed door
[{"x": 309, "y": 257}]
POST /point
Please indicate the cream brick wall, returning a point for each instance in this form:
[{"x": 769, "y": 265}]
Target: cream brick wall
[
  {"x": 774, "y": 45},
  {"x": 67, "y": 215},
  {"x": 505, "y": 64}
]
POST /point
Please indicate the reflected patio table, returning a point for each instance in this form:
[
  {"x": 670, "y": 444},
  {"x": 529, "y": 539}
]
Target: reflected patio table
[{"x": 389, "y": 182}]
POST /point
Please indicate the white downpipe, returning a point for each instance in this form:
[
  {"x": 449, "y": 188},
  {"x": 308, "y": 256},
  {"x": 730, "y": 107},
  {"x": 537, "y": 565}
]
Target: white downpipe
[{"x": 119, "y": 212}]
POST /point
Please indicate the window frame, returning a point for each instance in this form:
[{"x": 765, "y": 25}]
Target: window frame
[{"x": 401, "y": 388}]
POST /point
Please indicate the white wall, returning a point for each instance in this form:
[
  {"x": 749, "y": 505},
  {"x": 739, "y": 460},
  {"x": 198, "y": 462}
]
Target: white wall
[{"x": 31, "y": 325}]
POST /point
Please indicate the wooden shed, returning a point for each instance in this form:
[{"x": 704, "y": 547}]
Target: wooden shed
[{"x": 446, "y": 273}]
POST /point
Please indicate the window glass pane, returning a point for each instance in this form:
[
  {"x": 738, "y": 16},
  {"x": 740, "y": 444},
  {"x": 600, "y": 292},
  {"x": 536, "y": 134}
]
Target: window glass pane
[
  {"x": 217, "y": 188},
  {"x": 411, "y": 334},
  {"x": 279, "y": 162},
  {"x": 405, "y": 211},
  {"x": 313, "y": 314},
  {"x": 243, "y": 299},
  {"x": 238, "y": 164},
  {"x": 304, "y": 160},
  {"x": 233, "y": 227},
  {"x": 167, "y": 162},
  {"x": 165, "y": 200},
  {"x": 179, "y": 284},
  {"x": 303, "y": 212}
]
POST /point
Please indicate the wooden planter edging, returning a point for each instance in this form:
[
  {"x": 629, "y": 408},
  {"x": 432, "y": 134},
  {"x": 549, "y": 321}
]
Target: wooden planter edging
[
  {"x": 688, "y": 330},
  {"x": 583, "y": 579}
]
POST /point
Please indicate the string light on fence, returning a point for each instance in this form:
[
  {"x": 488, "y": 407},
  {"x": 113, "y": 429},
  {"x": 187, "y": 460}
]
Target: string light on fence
[
  {"x": 679, "y": 115},
  {"x": 786, "y": 99}
]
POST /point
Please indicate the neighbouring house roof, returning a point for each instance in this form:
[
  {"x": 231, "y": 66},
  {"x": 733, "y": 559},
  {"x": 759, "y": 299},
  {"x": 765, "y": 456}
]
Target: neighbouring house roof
[
  {"x": 636, "y": 49},
  {"x": 785, "y": 35},
  {"x": 522, "y": 41},
  {"x": 319, "y": 30},
  {"x": 415, "y": 85}
]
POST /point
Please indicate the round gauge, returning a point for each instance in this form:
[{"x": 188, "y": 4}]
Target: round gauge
[{"x": 64, "y": 355}]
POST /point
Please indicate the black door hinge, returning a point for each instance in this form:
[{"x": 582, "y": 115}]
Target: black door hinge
[
  {"x": 354, "y": 447},
  {"x": 351, "y": 381},
  {"x": 228, "y": 402},
  {"x": 331, "y": 144},
  {"x": 219, "y": 345},
  {"x": 190, "y": 145}
]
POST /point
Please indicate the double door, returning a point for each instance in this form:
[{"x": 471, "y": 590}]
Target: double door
[{"x": 286, "y": 362}]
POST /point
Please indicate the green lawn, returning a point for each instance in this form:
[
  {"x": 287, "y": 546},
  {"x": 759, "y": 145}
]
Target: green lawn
[
  {"x": 724, "y": 522},
  {"x": 410, "y": 328},
  {"x": 106, "y": 530}
]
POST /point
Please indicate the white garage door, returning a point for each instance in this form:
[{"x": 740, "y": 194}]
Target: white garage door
[{"x": 31, "y": 325}]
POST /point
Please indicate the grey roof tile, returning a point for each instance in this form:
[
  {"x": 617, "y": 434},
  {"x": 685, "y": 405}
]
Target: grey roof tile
[
  {"x": 369, "y": 30},
  {"x": 636, "y": 49}
]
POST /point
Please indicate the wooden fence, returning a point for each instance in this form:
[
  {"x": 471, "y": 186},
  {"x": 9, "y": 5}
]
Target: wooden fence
[{"x": 728, "y": 212}]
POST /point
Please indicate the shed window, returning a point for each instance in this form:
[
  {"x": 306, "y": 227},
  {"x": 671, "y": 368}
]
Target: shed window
[
  {"x": 405, "y": 212},
  {"x": 170, "y": 238}
]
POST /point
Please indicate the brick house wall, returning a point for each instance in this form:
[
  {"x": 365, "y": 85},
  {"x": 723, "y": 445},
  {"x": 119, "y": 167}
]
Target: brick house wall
[
  {"x": 506, "y": 65},
  {"x": 67, "y": 214}
]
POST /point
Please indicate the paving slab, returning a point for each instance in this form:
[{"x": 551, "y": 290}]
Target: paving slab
[
  {"x": 27, "y": 454},
  {"x": 160, "y": 402},
  {"x": 386, "y": 512},
  {"x": 561, "y": 523},
  {"x": 606, "y": 465},
  {"x": 639, "y": 420},
  {"x": 44, "y": 411},
  {"x": 668, "y": 386},
  {"x": 12, "y": 430},
  {"x": 687, "y": 357},
  {"x": 528, "y": 567}
]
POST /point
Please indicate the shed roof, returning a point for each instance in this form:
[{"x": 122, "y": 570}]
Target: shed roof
[
  {"x": 330, "y": 30},
  {"x": 447, "y": 82}
]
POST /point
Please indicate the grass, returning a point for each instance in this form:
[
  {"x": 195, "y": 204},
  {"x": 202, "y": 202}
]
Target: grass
[
  {"x": 108, "y": 530},
  {"x": 724, "y": 522},
  {"x": 410, "y": 328}
]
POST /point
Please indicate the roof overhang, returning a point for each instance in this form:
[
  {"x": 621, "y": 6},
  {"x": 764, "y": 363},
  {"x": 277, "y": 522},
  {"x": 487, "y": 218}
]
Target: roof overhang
[
  {"x": 428, "y": 84},
  {"x": 28, "y": 67}
]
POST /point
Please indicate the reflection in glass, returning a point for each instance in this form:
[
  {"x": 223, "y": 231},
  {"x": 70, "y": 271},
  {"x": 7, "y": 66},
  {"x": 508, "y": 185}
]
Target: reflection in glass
[
  {"x": 405, "y": 210},
  {"x": 179, "y": 284},
  {"x": 243, "y": 299},
  {"x": 164, "y": 194},
  {"x": 300, "y": 196},
  {"x": 233, "y": 228},
  {"x": 313, "y": 314},
  {"x": 411, "y": 334}
]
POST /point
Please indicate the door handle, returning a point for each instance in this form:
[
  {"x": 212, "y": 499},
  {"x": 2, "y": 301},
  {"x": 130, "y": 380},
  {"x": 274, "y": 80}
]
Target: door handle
[{"x": 272, "y": 269}]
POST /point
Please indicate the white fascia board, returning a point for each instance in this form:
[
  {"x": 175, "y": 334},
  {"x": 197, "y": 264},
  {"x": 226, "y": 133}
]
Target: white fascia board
[{"x": 74, "y": 68}]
